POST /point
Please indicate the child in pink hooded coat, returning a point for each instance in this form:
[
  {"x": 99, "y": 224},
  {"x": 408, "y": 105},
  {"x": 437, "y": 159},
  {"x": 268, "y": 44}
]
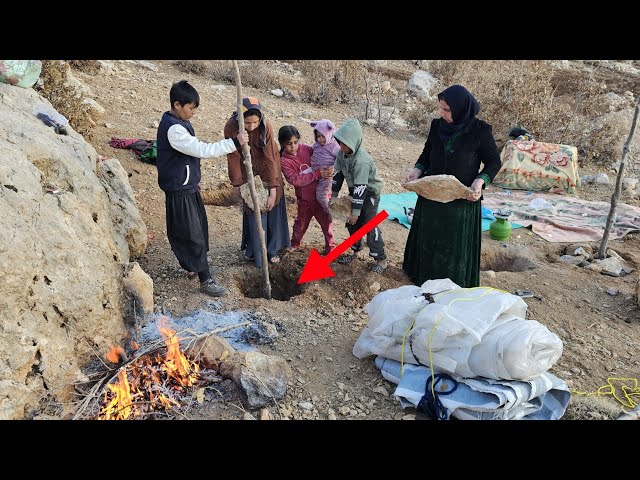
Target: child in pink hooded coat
[
  {"x": 295, "y": 159},
  {"x": 324, "y": 154}
]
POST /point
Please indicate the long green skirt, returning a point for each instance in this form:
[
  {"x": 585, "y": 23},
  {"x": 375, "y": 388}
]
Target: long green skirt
[{"x": 444, "y": 242}]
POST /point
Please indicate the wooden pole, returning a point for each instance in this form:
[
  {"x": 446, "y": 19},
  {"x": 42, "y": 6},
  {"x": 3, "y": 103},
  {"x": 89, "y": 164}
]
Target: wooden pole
[
  {"x": 257, "y": 215},
  {"x": 602, "y": 251}
]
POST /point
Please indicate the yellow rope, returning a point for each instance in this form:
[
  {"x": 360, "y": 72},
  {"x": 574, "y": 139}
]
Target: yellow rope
[{"x": 610, "y": 389}]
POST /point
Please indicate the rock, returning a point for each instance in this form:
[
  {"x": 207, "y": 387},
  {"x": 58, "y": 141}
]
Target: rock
[
  {"x": 261, "y": 377},
  {"x": 629, "y": 183},
  {"x": 573, "y": 260},
  {"x": 148, "y": 65},
  {"x": 382, "y": 391},
  {"x": 265, "y": 414},
  {"x": 138, "y": 289},
  {"x": 610, "y": 266},
  {"x": 582, "y": 251},
  {"x": 306, "y": 406},
  {"x": 490, "y": 274},
  {"x": 613, "y": 291},
  {"x": 63, "y": 258},
  {"x": 579, "y": 249},
  {"x": 410, "y": 416},
  {"x": 421, "y": 83},
  {"x": 374, "y": 287},
  {"x": 96, "y": 111},
  {"x": 277, "y": 92},
  {"x": 210, "y": 350}
]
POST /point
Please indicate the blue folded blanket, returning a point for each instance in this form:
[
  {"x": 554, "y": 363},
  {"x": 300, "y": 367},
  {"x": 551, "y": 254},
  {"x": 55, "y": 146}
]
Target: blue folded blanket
[{"x": 396, "y": 205}]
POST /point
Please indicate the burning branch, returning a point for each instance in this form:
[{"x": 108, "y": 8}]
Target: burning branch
[{"x": 149, "y": 383}]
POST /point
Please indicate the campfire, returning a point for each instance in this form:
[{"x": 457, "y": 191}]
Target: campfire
[{"x": 150, "y": 383}]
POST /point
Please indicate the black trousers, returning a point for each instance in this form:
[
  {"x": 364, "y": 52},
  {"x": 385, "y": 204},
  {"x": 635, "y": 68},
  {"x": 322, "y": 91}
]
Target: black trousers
[
  {"x": 374, "y": 237},
  {"x": 188, "y": 229}
]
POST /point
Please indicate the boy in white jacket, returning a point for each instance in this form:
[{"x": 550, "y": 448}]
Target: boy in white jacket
[{"x": 178, "y": 163}]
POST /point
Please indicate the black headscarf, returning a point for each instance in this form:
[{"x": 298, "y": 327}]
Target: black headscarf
[
  {"x": 464, "y": 107},
  {"x": 252, "y": 103}
]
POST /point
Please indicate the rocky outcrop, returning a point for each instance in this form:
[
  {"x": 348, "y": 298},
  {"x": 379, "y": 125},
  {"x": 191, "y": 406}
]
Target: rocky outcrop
[{"x": 68, "y": 230}]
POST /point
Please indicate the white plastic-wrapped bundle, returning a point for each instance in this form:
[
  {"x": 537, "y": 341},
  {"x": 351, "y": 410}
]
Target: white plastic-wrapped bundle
[
  {"x": 469, "y": 332},
  {"x": 390, "y": 314}
]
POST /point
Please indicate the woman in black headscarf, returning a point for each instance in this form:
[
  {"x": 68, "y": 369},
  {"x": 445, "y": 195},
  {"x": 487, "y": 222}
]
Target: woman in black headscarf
[{"x": 444, "y": 240}]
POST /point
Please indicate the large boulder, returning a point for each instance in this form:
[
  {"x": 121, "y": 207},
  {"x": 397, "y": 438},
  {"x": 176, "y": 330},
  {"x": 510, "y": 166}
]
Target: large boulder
[{"x": 68, "y": 230}]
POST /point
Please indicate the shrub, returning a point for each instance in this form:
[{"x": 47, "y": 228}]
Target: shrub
[
  {"x": 64, "y": 97},
  {"x": 523, "y": 93},
  {"x": 197, "y": 67},
  {"x": 328, "y": 81}
]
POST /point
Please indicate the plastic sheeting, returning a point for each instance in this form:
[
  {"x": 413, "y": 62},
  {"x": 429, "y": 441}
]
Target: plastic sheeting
[
  {"x": 21, "y": 73},
  {"x": 468, "y": 332}
]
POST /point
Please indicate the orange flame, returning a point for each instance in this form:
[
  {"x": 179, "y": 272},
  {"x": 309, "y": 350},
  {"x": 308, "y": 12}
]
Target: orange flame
[
  {"x": 148, "y": 380},
  {"x": 119, "y": 408},
  {"x": 115, "y": 353}
]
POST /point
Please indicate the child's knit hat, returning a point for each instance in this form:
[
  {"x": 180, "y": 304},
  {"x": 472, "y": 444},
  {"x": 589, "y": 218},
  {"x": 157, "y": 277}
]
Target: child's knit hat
[{"x": 325, "y": 127}]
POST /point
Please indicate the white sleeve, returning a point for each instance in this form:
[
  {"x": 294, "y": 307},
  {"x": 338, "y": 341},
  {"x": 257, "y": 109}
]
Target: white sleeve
[{"x": 184, "y": 142}]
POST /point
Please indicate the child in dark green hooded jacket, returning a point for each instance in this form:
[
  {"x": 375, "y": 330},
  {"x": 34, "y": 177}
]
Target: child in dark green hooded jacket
[{"x": 356, "y": 166}]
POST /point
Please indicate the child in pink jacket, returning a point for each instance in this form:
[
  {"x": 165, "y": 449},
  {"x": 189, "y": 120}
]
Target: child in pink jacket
[
  {"x": 325, "y": 150},
  {"x": 295, "y": 159}
]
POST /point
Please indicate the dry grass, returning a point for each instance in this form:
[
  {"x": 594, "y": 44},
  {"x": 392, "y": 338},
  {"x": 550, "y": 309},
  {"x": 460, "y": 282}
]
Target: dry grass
[
  {"x": 524, "y": 93},
  {"x": 197, "y": 67},
  {"x": 328, "y": 81},
  {"x": 64, "y": 97},
  {"x": 91, "y": 67},
  {"x": 592, "y": 408},
  {"x": 253, "y": 73}
]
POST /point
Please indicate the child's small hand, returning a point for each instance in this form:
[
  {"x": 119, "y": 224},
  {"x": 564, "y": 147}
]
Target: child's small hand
[
  {"x": 242, "y": 137},
  {"x": 326, "y": 172},
  {"x": 352, "y": 219}
]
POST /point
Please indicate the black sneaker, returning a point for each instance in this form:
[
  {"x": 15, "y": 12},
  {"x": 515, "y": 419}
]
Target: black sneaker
[{"x": 212, "y": 288}]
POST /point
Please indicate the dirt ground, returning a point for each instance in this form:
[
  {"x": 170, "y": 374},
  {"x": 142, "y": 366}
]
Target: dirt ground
[{"x": 319, "y": 322}]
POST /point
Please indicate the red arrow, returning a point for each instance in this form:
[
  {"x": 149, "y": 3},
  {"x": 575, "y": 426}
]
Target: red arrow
[{"x": 317, "y": 267}]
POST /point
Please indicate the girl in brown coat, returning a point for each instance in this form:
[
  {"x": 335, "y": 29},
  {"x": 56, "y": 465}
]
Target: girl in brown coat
[{"x": 265, "y": 160}]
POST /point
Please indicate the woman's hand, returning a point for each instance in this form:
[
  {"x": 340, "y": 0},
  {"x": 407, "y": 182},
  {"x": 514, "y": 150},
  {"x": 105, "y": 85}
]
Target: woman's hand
[
  {"x": 352, "y": 219},
  {"x": 326, "y": 172},
  {"x": 413, "y": 174},
  {"x": 476, "y": 190},
  {"x": 271, "y": 201},
  {"x": 242, "y": 137}
]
